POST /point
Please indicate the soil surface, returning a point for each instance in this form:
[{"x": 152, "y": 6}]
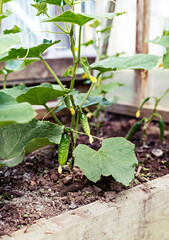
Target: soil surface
[{"x": 35, "y": 190}]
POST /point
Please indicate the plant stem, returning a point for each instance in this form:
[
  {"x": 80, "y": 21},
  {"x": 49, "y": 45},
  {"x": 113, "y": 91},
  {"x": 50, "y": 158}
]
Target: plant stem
[
  {"x": 52, "y": 72},
  {"x": 62, "y": 29},
  {"x": 77, "y": 60},
  {"x": 53, "y": 115},
  {"x": 1, "y": 11},
  {"x": 77, "y": 126},
  {"x": 87, "y": 94},
  {"x": 72, "y": 42},
  {"x": 5, "y": 78}
]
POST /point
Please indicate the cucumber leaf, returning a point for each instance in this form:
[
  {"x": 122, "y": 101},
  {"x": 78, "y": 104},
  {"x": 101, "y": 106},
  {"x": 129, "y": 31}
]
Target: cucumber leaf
[
  {"x": 34, "y": 52},
  {"x": 8, "y": 41},
  {"x": 163, "y": 41},
  {"x": 15, "y": 29},
  {"x": 6, "y": 14},
  {"x": 38, "y": 95},
  {"x": 138, "y": 61},
  {"x": 166, "y": 59},
  {"x": 14, "y": 112},
  {"x": 106, "y": 88},
  {"x": 17, "y": 140},
  {"x": 116, "y": 157},
  {"x": 41, "y": 7},
  {"x": 71, "y": 17}
]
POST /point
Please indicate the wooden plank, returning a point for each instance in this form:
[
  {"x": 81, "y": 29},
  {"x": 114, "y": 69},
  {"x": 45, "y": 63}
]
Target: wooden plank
[
  {"x": 131, "y": 109},
  {"x": 139, "y": 213},
  {"x": 142, "y": 32}
]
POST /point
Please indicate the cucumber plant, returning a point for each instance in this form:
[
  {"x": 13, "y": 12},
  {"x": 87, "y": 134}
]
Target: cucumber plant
[
  {"x": 21, "y": 133},
  {"x": 146, "y": 120},
  {"x": 101, "y": 89}
]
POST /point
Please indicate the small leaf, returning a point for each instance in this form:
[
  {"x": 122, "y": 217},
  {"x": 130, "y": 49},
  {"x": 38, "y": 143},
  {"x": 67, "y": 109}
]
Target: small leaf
[
  {"x": 13, "y": 112},
  {"x": 90, "y": 42},
  {"x": 71, "y": 17},
  {"x": 166, "y": 59},
  {"x": 15, "y": 29},
  {"x": 138, "y": 61},
  {"x": 105, "y": 29},
  {"x": 68, "y": 72},
  {"x": 116, "y": 157},
  {"x": 6, "y": 14},
  {"x": 34, "y": 52},
  {"x": 41, "y": 7},
  {"x": 17, "y": 140},
  {"x": 105, "y": 88},
  {"x": 8, "y": 41},
  {"x": 59, "y": 3},
  {"x": 95, "y": 23},
  {"x": 108, "y": 103},
  {"x": 163, "y": 41}
]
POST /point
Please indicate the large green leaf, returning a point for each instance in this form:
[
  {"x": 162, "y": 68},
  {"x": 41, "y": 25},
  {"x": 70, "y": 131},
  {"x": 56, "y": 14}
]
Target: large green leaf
[
  {"x": 116, "y": 157},
  {"x": 71, "y": 17},
  {"x": 8, "y": 41},
  {"x": 38, "y": 95},
  {"x": 138, "y": 61},
  {"x": 13, "y": 112},
  {"x": 105, "y": 88},
  {"x": 17, "y": 140},
  {"x": 163, "y": 41},
  {"x": 5, "y": 14},
  {"x": 34, "y": 52}
]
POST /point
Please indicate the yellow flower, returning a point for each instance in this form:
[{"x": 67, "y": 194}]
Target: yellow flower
[
  {"x": 85, "y": 76},
  {"x": 90, "y": 139},
  {"x": 89, "y": 115},
  {"x": 72, "y": 110},
  {"x": 75, "y": 48},
  {"x": 93, "y": 79},
  {"x": 60, "y": 169},
  {"x": 138, "y": 114},
  {"x": 160, "y": 65}
]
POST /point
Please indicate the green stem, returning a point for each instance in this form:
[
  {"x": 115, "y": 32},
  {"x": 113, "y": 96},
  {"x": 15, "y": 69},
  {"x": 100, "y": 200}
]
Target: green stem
[
  {"x": 1, "y": 11},
  {"x": 87, "y": 95},
  {"x": 72, "y": 42},
  {"x": 79, "y": 44},
  {"x": 5, "y": 78},
  {"x": 73, "y": 120},
  {"x": 53, "y": 115},
  {"x": 62, "y": 29},
  {"x": 77, "y": 126},
  {"x": 77, "y": 60},
  {"x": 52, "y": 72}
]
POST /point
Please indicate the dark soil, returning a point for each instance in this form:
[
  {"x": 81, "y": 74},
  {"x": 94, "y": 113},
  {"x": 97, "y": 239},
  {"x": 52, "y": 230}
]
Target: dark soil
[{"x": 35, "y": 190}]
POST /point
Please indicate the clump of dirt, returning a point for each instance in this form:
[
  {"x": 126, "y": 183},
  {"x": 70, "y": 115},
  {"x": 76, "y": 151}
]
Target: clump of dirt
[{"x": 34, "y": 189}]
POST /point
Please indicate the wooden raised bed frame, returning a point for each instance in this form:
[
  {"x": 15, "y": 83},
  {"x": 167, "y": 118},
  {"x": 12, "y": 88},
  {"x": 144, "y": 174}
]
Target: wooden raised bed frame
[{"x": 139, "y": 213}]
